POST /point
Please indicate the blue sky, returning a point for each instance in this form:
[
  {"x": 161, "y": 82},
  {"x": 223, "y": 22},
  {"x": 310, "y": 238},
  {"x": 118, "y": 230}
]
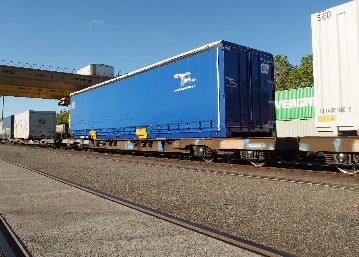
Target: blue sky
[{"x": 131, "y": 34}]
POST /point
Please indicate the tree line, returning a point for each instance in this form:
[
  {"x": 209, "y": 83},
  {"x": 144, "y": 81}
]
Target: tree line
[
  {"x": 62, "y": 117},
  {"x": 288, "y": 76}
]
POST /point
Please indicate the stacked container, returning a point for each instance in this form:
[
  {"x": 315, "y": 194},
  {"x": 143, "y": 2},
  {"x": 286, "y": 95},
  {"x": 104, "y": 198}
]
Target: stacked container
[
  {"x": 295, "y": 113},
  {"x": 335, "y": 35}
]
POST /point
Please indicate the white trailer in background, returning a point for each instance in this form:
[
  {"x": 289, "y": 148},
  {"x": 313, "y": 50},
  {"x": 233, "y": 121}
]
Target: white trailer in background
[
  {"x": 102, "y": 70},
  {"x": 35, "y": 125}
]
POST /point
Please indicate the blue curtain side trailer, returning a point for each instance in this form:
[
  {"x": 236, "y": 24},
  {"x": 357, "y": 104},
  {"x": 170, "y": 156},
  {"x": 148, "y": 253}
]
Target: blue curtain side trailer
[{"x": 216, "y": 91}]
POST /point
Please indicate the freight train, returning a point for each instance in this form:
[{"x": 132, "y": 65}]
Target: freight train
[{"x": 219, "y": 100}]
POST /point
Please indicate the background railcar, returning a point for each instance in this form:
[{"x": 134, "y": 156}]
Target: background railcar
[
  {"x": 7, "y": 128},
  {"x": 34, "y": 125}
]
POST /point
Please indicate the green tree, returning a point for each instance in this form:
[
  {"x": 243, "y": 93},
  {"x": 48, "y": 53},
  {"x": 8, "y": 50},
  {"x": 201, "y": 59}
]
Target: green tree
[
  {"x": 288, "y": 76},
  {"x": 62, "y": 117},
  {"x": 282, "y": 70},
  {"x": 302, "y": 75}
]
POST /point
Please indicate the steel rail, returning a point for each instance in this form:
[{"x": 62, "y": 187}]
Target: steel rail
[
  {"x": 219, "y": 235},
  {"x": 10, "y": 243}
]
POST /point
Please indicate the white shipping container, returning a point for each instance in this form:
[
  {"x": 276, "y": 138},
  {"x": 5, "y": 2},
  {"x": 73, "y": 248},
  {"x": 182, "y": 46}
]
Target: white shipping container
[
  {"x": 335, "y": 39},
  {"x": 299, "y": 128},
  {"x": 62, "y": 128},
  {"x": 35, "y": 124},
  {"x": 97, "y": 70}
]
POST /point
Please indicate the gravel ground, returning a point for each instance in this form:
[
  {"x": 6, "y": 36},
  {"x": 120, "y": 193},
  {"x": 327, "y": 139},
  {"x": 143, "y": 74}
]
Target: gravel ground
[
  {"x": 54, "y": 220},
  {"x": 304, "y": 220}
]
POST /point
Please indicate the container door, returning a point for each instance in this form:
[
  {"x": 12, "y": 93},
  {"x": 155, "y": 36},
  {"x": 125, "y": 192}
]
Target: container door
[
  {"x": 261, "y": 75},
  {"x": 249, "y": 91},
  {"x": 237, "y": 91}
]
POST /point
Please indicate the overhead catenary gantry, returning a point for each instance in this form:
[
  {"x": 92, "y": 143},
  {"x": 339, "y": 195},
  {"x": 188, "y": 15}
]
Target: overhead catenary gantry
[{"x": 35, "y": 83}]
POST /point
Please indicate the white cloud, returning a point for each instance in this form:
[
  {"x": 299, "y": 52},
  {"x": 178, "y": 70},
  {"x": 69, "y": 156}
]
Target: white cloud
[{"x": 96, "y": 22}]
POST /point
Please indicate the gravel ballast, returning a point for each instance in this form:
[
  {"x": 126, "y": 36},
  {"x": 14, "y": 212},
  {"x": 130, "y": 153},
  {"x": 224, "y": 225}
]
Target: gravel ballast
[
  {"x": 54, "y": 219},
  {"x": 301, "y": 219}
]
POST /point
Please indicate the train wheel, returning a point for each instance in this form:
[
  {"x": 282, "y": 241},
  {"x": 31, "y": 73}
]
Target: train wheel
[
  {"x": 210, "y": 155},
  {"x": 347, "y": 163},
  {"x": 204, "y": 153},
  {"x": 289, "y": 156},
  {"x": 258, "y": 164},
  {"x": 207, "y": 159},
  {"x": 346, "y": 170},
  {"x": 261, "y": 159}
]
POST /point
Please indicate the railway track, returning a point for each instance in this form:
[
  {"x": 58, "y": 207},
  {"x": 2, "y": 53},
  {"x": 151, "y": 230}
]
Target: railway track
[
  {"x": 10, "y": 244},
  {"x": 205, "y": 230},
  {"x": 280, "y": 172},
  {"x": 275, "y": 163}
]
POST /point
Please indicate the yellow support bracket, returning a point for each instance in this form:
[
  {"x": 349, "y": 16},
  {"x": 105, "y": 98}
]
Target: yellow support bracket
[{"x": 141, "y": 133}]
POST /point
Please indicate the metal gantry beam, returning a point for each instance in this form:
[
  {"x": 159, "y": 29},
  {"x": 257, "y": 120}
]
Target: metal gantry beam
[{"x": 35, "y": 83}]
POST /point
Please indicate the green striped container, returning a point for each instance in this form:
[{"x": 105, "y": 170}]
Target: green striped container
[{"x": 295, "y": 104}]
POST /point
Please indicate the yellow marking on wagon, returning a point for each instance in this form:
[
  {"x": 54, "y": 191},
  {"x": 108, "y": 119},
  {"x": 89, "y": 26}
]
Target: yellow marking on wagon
[
  {"x": 141, "y": 133},
  {"x": 327, "y": 118},
  {"x": 93, "y": 134}
]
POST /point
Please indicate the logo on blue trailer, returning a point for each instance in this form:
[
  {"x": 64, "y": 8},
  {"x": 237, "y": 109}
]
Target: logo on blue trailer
[
  {"x": 186, "y": 81},
  {"x": 73, "y": 105},
  {"x": 230, "y": 82},
  {"x": 265, "y": 68}
]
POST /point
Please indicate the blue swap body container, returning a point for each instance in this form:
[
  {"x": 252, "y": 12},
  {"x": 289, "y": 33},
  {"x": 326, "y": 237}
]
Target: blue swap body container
[
  {"x": 7, "y": 128},
  {"x": 218, "y": 90}
]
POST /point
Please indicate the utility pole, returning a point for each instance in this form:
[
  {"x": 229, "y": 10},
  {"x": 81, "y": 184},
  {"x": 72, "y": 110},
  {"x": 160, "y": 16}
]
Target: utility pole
[{"x": 3, "y": 104}]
